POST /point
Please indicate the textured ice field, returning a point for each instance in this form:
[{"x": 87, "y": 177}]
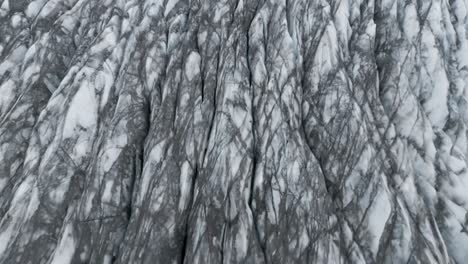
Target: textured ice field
[{"x": 233, "y": 131}]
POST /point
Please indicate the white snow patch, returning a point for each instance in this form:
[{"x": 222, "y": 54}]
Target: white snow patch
[
  {"x": 5, "y": 237},
  {"x": 89, "y": 203},
  {"x": 3, "y": 182},
  {"x": 34, "y": 8},
  {"x": 155, "y": 156},
  {"x": 242, "y": 240},
  {"x": 153, "y": 10},
  {"x": 411, "y": 22},
  {"x": 107, "y": 41},
  {"x": 107, "y": 194},
  {"x": 235, "y": 161},
  {"x": 64, "y": 252},
  {"x": 109, "y": 158},
  {"x": 326, "y": 53},
  {"x": 5, "y": 7},
  {"x": 185, "y": 184},
  {"x": 192, "y": 66},
  {"x": 7, "y": 91},
  {"x": 457, "y": 240},
  {"x": 82, "y": 113},
  {"x": 107, "y": 259},
  {"x": 377, "y": 217},
  {"x": 33, "y": 202},
  {"x": 436, "y": 106},
  {"x": 15, "y": 20},
  {"x": 22, "y": 191},
  {"x": 17, "y": 55},
  {"x": 68, "y": 23},
  {"x": 169, "y": 6},
  {"x": 105, "y": 81},
  {"x": 48, "y": 8},
  {"x": 58, "y": 195},
  {"x": 220, "y": 11}
]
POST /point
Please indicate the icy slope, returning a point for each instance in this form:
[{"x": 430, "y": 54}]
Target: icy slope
[{"x": 233, "y": 131}]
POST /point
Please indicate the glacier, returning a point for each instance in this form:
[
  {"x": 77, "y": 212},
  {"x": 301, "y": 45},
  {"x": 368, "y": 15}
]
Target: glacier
[{"x": 233, "y": 131}]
